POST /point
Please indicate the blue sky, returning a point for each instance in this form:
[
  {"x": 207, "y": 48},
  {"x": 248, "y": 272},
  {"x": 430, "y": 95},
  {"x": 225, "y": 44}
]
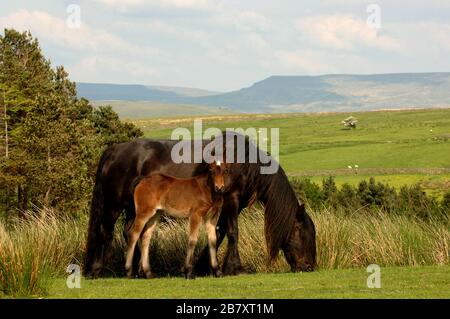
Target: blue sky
[{"x": 225, "y": 45}]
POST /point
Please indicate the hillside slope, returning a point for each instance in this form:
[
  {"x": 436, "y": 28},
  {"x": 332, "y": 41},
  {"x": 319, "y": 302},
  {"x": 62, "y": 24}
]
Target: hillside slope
[{"x": 298, "y": 93}]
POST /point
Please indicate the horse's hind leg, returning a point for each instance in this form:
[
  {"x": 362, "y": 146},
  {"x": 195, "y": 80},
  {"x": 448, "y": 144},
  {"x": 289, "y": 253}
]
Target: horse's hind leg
[
  {"x": 133, "y": 236},
  {"x": 194, "y": 228},
  {"x": 211, "y": 222},
  {"x": 130, "y": 215},
  {"x": 144, "y": 265}
]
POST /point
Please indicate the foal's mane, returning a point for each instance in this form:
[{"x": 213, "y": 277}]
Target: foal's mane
[{"x": 274, "y": 191}]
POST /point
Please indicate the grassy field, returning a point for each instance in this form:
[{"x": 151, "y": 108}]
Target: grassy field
[
  {"x": 399, "y": 147},
  {"x": 396, "y": 282}
]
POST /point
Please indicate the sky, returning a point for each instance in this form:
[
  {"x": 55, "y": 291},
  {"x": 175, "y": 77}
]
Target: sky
[{"x": 225, "y": 45}]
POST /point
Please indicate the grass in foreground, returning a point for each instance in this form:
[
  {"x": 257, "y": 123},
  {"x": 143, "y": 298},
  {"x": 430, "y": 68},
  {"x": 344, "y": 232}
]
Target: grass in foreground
[
  {"x": 36, "y": 250},
  {"x": 396, "y": 282}
]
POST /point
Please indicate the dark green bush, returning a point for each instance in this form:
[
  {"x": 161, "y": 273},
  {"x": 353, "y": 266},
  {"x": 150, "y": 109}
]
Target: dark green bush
[{"x": 372, "y": 196}]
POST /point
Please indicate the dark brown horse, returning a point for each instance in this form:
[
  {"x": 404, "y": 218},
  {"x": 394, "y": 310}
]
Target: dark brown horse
[
  {"x": 198, "y": 198},
  {"x": 287, "y": 225}
]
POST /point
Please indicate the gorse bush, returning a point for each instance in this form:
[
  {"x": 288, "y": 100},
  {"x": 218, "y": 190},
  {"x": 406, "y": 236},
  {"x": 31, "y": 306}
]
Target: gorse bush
[{"x": 372, "y": 196}]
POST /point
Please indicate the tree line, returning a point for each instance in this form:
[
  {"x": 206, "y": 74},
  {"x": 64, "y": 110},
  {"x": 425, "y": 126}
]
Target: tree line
[
  {"x": 369, "y": 196},
  {"x": 51, "y": 138}
]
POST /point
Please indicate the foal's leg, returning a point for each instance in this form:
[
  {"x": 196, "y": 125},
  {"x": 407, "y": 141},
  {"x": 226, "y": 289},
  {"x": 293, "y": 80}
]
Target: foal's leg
[
  {"x": 210, "y": 223},
  {"x": 145, "y": 245},
  {"x": 139, "y": 223},
  {"x": 194, "y": 228}
]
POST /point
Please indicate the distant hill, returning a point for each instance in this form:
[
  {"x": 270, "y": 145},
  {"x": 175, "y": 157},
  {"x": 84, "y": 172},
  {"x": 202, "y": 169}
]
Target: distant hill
[
  {"x": 145, "y": 109},
  {"x": 191, "y": 92},
  {"x": 298, "y": 93},
  {"x": 127, "y": 92}
]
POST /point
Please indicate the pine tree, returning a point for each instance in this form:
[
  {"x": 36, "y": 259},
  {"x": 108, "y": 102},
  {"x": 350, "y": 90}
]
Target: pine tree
[{"x": 51, "y": 139}]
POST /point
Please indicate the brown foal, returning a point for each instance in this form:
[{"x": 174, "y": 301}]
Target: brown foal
[{"x": 198, "y": 198}]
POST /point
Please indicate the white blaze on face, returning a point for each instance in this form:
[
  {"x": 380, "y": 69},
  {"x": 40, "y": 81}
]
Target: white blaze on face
[{"x": 218, "y": 163}]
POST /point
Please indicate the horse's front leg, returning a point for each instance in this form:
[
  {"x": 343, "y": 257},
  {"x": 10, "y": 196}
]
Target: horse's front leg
[
  {"x": 230, "y": 211},
  {"x": 211, "y": 223},
  {"x": 194, "y": 229},
  {"x": 202, "y": 267}
]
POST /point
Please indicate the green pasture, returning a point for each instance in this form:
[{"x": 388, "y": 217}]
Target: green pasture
[
  {"x": 316, "y": 145},
  {"x": 396, "y": 282}
]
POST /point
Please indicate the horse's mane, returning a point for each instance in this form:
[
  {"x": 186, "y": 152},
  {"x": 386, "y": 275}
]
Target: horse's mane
[{"x": 275, "y": 192}]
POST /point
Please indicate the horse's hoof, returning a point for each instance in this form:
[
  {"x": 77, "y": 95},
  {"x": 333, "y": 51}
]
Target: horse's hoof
[
  {"x": 217, "y": 273},
  {"x": 233, "y": 271},
  {"x": 149, "y": 275},
  {"x": 189, "y": 275},
  {"x": 95, "y": 271}
]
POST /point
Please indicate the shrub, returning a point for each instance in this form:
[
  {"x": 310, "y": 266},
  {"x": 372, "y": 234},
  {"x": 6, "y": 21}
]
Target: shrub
[
  {"x": 308, "y": 191},
  {"x": 347, "y": 197},
  {"x": 445, "y": 204},
  {"x": 329, "y": 191},
  {"x": 371, "y": 196}
]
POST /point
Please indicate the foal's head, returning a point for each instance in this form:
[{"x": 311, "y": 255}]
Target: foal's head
[{"x": 220, "y": 173}]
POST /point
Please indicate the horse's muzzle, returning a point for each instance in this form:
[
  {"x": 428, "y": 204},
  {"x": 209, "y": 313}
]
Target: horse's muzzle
[{"x": 219, "y": 190}]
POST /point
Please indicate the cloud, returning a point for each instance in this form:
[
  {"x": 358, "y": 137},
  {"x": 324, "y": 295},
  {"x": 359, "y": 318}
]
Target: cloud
[
  {"x": 96, "y": 67},
  {"x": 436, "y": 35},
  {"x": 133, "y": 5},
  {"x": 55, "y": 30},
  {"x": 344, "y": 32},
  {"x": 305, "y": 61},
  {"x": 198, "y": 37},
  {"x": 317, "y": 62},
  {"x": 97, "y": 55},
  {"x": 245, "y": 21}
]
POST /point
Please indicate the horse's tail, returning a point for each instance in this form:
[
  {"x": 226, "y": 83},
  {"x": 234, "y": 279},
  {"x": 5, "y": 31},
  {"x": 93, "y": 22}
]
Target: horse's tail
[{"x": 96, "y": 239}]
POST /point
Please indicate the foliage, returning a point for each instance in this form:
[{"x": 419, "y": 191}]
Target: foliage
[
  {"x": 53, "y": 138},
  {"x": 371, "y": 197},
  {"x": 446, "y": 202}
]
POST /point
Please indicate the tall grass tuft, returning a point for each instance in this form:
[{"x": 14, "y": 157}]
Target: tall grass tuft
[
  {"x": 41, "y": 246},
  {"x": 385, "y": 239},
  {"x": 34, "y": 249},
  {"x": 354, "y": 240}
]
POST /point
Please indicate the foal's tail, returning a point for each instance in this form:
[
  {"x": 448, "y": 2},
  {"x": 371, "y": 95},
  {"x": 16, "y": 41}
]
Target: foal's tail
[{"x": 96, "y": 245}]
